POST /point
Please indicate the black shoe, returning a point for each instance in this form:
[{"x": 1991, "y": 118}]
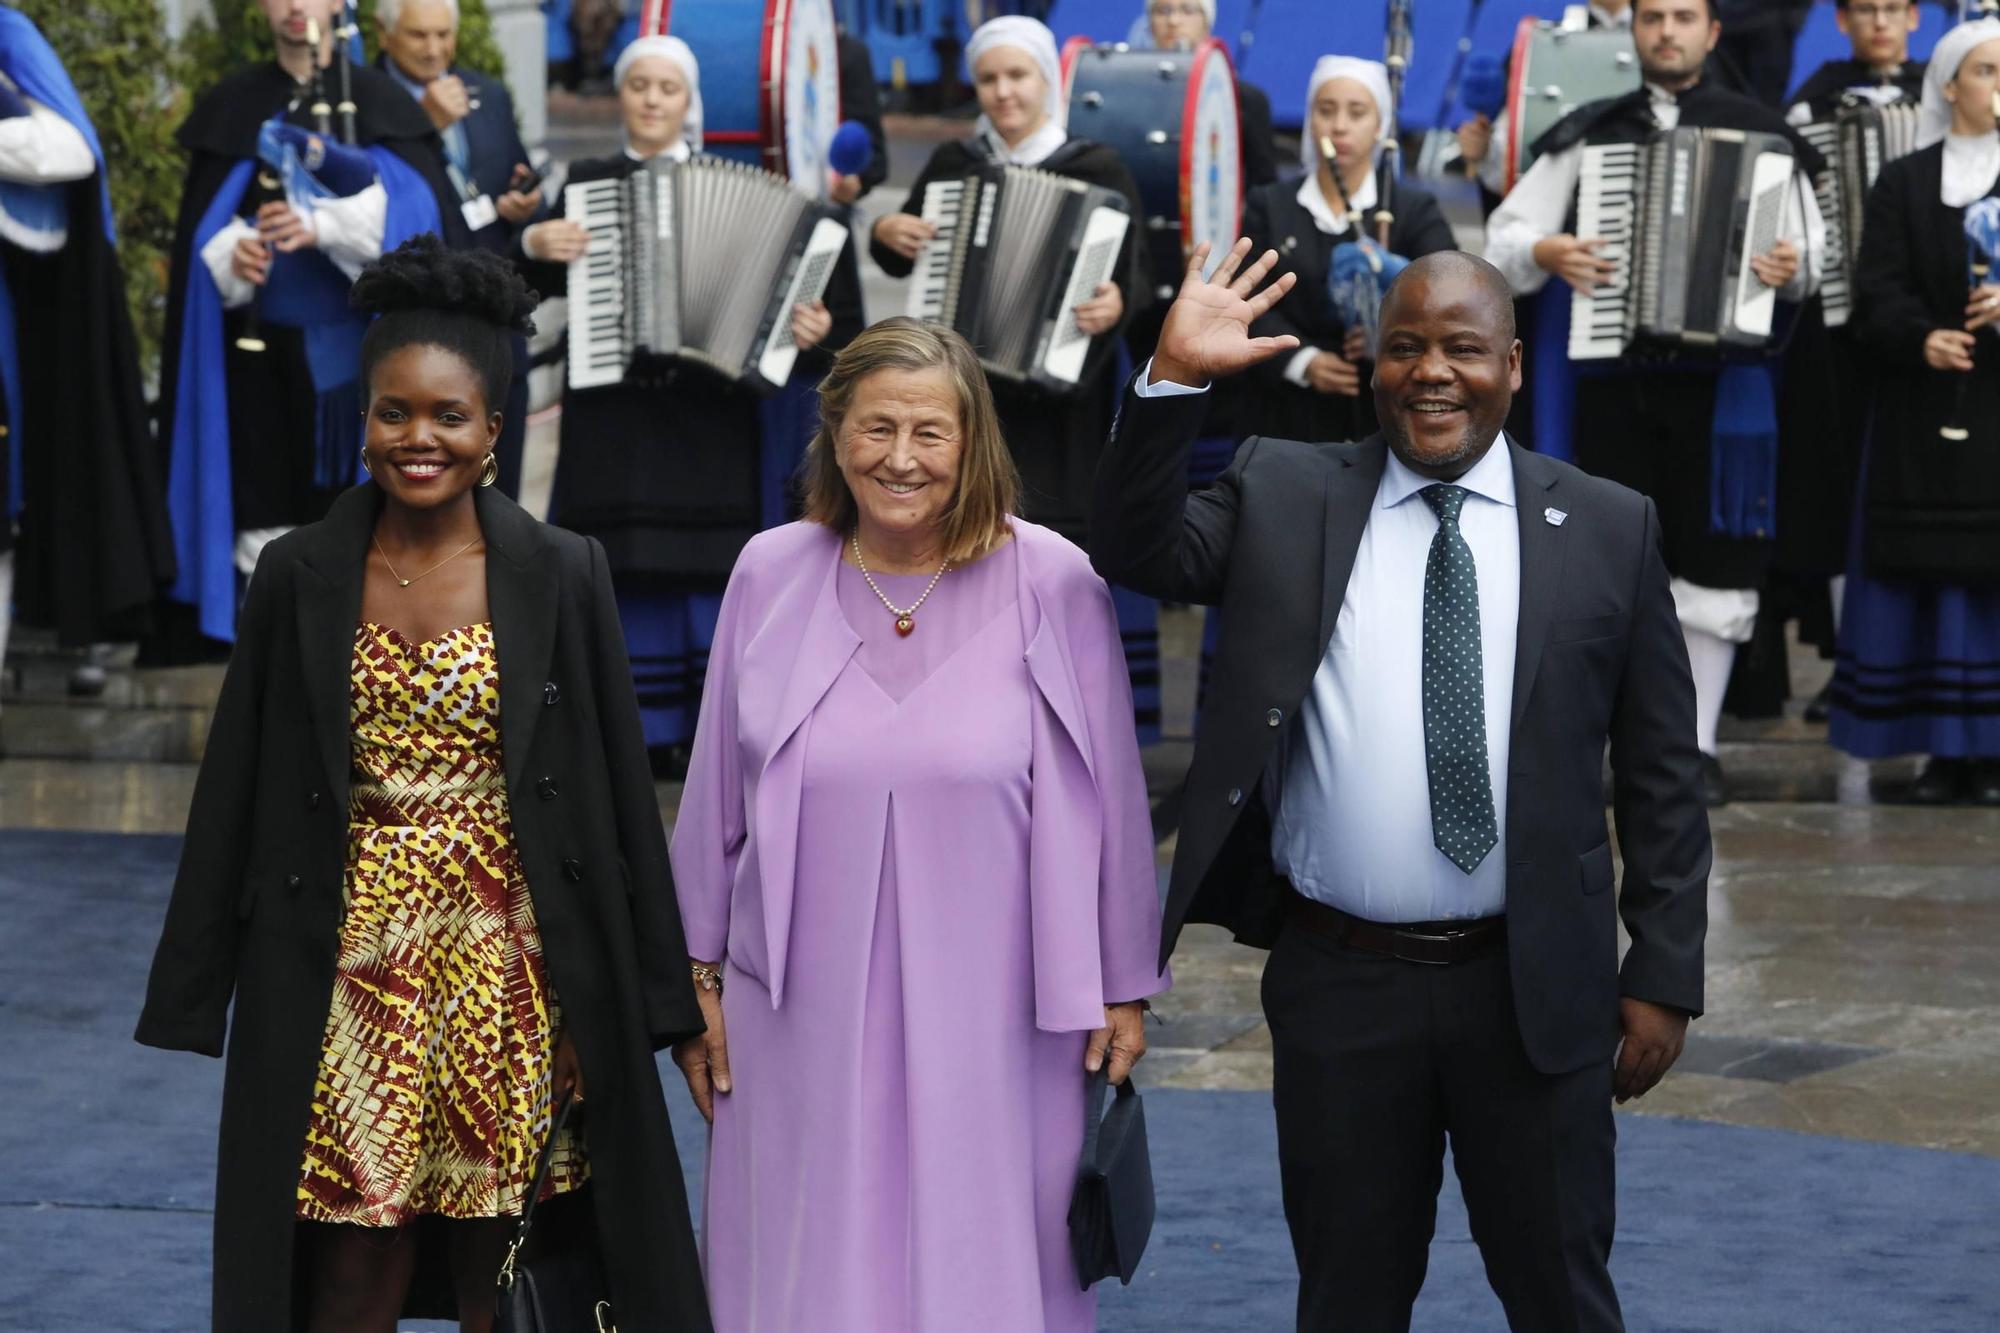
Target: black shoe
[
  {"x": 1714, "y": 788},
  {"x": 1820, "y": 707},
  {"x": 1943, "y": 782},
  {"x": 1986, "y": 782}
]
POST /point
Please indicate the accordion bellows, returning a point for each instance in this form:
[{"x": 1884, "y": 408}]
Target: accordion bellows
[
  {"x": 1682, "y": 215},
  {"x": 1856, "y": 144},
  {"x": 1016, "y": 251},
  {"x": 700, "y": 260}
]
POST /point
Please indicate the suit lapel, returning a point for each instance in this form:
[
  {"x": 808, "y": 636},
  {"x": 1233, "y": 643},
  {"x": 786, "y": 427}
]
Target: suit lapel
[
  {"x": 522, "y": 591},
  {"x": 1351, "y": 482},
  {"x": 328, "y": 609},
  {"x": 1542, "y": 548}
]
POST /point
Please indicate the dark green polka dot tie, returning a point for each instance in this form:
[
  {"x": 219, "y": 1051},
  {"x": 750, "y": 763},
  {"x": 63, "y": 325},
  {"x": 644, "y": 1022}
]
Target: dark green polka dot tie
[{"x": 1455, "y": 691}]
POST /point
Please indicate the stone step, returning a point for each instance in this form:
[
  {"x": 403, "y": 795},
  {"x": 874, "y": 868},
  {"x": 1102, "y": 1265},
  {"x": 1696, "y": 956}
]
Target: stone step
[{"x": 156, "y": 715}]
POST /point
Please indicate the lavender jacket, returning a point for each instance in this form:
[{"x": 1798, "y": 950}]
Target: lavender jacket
[{"x": 780, "y": 644}]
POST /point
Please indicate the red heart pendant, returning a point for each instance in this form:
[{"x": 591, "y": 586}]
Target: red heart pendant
[{"x": 904, "y": 624}]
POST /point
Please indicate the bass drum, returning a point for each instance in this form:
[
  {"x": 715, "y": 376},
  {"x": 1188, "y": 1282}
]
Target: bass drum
[
  {"x": 1554, "y": 71},
  {"x": 1171, "y": 118},
  {"x": 770, "y": 79}
]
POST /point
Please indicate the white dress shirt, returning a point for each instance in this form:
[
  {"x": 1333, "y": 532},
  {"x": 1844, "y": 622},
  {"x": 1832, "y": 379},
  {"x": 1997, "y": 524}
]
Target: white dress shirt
[
  {"x": 1539, "y": 203},
  {"x": 1353, "y": 826}
]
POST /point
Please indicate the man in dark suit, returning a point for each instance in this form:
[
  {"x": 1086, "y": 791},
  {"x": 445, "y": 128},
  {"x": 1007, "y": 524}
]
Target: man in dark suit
[
  {"x": 1178, "y": 25},
  {"x": 497, "y": 191},
  {"x": 1396, "y": 787}
]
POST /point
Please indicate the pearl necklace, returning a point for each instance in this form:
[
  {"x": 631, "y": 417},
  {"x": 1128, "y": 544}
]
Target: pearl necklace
[{"x": 906, "y": 617}]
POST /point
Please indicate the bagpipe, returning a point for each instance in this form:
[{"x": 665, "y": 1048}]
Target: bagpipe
[
  {"x": 301, "y": 168},
  {"x": 1361, "y": 270},
  {"x": 1982, "y": 247}
]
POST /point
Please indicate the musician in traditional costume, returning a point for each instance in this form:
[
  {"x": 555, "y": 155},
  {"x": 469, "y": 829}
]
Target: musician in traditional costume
[
  {"x": 1695, "y": 433},
  {"x": 261, "y": 390},
  {"x": 1319, "y": 392},
  {"x": 662, "y": 467},
  {"x": 1055, "y": 437},
  {"x": 84, "y": 542},
  {"x": 1182, "y": 25},
  {"x": 494, "y": 186},
  {"x": 1829, "y": 375},
  {"x": 1918, "y": 669}
]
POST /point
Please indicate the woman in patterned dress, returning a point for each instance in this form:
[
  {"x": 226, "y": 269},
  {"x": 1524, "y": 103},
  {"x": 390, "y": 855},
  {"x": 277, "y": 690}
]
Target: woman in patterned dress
[{"x": 403, "y": 1025}]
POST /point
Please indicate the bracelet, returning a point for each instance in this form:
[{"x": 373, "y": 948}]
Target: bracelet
[{"x": 706, "y": 977}]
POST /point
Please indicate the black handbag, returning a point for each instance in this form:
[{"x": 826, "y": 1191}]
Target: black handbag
[
  {"x": 1111, "y": 1213},
  {"x": 561, "y": 1291}
]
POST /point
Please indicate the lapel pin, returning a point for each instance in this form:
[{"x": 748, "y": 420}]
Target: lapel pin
[{"x": 1554, "y": 516}]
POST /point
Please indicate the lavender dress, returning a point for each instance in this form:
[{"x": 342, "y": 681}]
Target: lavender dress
[{"x": 899, "y": 1148}]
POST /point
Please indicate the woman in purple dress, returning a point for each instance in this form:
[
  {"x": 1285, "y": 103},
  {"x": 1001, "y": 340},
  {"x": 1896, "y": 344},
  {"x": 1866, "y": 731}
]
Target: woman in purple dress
[{"x": 916, "y": 873}]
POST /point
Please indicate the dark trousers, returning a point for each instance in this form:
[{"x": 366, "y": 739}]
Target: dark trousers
[{"x": 1377, "y": 1062}]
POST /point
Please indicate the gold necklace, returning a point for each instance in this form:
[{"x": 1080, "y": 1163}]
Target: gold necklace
[
  {"x": 906, "y": 618},
  {"x": 402, "y": 582}
]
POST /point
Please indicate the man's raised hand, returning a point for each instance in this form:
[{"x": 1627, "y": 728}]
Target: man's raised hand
[{"x": 1207, "y": 330}]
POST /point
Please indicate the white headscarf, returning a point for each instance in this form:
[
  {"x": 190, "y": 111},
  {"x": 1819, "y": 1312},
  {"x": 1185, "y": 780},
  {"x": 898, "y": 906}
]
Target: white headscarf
[
  {"x": 1370, "y": 74},
  {"x": 1934, "y": 113},
  {"x": 676, "y": 50},
  {"x": 1033, "y": 37}
]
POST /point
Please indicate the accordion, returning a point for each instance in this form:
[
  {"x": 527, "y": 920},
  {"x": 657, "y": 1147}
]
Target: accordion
[
  {"x": 1855, "y": 143},
  {"x": 1681, "y": 216},
  {"x": 1016, "y": 250},
  {"x": 701, "y": 260}
]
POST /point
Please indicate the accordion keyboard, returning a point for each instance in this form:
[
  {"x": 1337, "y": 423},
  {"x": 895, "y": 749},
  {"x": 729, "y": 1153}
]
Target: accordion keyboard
[
  {"x": 930, "y": 284},
  {"x": 1607, "y": 206},
  {"x": 597, "y": 350}
]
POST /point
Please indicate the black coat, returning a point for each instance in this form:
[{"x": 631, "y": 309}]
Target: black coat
[
  {"x": 1598, "y": 658},
  {"x": 1055, "y": 438},
  {"x": 1274, "y": 219},
  {"x": 1932, "y": 508},
  {"x": 256, "y": 906},
  {"x": 1253, "y": 125},
  {"x": 1828, "y": 385},
  {"x": 1826, "y": 86},
  {"x": 96, "y": 548},
  {"x": 861, "y": 102},
  {"x": 663, "y": 466}
]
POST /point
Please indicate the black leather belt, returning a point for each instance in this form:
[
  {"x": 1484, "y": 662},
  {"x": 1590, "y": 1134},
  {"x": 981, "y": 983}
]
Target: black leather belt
[{"x": 1437, "y": 943}]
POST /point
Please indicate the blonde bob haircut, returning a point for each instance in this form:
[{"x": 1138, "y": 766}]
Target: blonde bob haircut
[{"x": 989, "y": 487}]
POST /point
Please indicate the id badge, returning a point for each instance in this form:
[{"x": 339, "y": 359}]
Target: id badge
[{"x": 479, "y": 213}]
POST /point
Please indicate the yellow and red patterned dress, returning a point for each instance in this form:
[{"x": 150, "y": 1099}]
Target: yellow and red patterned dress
[{"x": 435, "y": 1078}]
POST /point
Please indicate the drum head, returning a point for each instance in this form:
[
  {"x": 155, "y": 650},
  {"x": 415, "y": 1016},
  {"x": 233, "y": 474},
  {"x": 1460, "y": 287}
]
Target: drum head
[
  {"x": 1555, "y": 71},
  {"x": 806, "y": 91},
  {"x": 1211, "y": 158}
]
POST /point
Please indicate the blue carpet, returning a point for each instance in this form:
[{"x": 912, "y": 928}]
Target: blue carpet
[{"x": 109, "y": 1155}]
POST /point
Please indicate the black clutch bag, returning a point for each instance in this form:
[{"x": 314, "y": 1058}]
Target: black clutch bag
[
  {"x": 1111, "y": 1213},
  {"x": 560, "y": 1291}
]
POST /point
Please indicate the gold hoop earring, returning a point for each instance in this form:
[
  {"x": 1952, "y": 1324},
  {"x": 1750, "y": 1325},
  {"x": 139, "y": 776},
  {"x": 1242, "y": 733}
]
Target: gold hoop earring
[
  {"x": 489, "y": 471},
  {"x": 364, "y": 461}
]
